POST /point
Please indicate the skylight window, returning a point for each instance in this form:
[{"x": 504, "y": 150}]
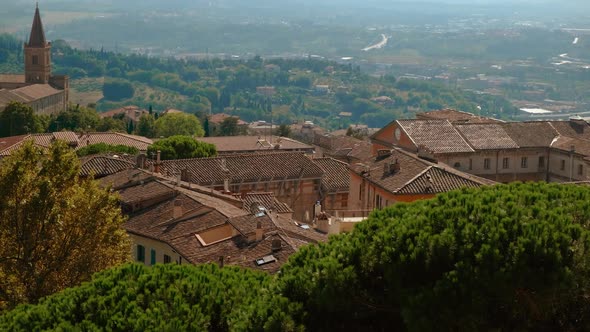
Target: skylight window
[{"x": 266, "y": 260}]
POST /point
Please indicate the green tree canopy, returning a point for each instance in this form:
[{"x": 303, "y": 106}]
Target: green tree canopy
[
  {"x": 178, "y": 124},
  {"x": 229, "y": 127},
  {"x": 159, "y": 298},
  {"x": 17, "y": 119},
  {"x": 182, "y": 147},
  {"x": 117, "y": 89},
  {"x": 507, "y": 257},
  {"x": 75, "y": 118},
  {"x": 103, "y": 147},
  {"x": 146, "y": 126},
  {"x": 56, "y": 229}
]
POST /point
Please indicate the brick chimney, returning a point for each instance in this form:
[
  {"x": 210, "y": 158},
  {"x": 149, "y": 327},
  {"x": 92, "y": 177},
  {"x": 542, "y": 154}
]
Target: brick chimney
[
  {"x": 259, "y": 231},
  {"x": 157, "y": 164},
  {"x": 177, "y": 210},
  {"x": 395, "y": 167}
]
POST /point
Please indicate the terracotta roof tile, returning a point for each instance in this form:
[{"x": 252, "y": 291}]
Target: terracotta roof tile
[
  {"x": 219, "y": 117},
  {"x": 572, "y": 128},
  {"x": 254, "y": 143},
  {"x": 412, "y": 174},
  {"x": 486, "y": 136},
  {"x": 336, "y": 175},
  {"x": 244, "y": 168},
  {"x": 530, "y": 134},
  {"x": 12, "y": 78},
  {"x": 437, "y": 135},
  {"x": 101, "y": 166},
  {"x": 267, "y": 200},
  {"x": 456, "y": 117}
]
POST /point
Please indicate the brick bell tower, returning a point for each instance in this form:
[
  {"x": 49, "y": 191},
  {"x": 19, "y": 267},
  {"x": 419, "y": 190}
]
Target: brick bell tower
[{"x": 37, "y": 54}]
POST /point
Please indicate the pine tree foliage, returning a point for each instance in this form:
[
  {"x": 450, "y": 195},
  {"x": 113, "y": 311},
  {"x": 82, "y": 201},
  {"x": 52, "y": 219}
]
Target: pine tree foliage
[
  {"x": 166, "y": 297},
  {"x": 503, "y": 258},
  {"x": 510, "y": 257},
  {"x": 56, "y": 229}
]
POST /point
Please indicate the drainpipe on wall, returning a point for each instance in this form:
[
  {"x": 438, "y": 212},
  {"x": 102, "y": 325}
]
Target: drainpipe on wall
[{"x": 572, "y": 150}]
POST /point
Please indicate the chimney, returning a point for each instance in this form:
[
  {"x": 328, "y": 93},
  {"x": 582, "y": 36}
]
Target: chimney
[
  {"x": 184, "y": 175},
  {"x": 386, "y": 168},
  {"x": 177, "y": 212},
  {"x": 383, "y": 153},
  {"x": 157, "y": 164},
  {"x": 395, "y": 167},
  {"x": 226, "y": 185},
  {"x": 317, "y": 209},
  {"x": 140, "y": 161},
  {"x": 276, "y": 245},
  {"x": 259, "y": 231}
]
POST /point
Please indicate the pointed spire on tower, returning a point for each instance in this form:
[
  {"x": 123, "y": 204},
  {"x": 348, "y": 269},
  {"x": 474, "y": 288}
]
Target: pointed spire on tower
[{"x": 37, "y": 37}]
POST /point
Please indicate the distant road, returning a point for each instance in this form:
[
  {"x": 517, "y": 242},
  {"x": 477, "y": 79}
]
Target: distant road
[{"x": 380, "y": 44}]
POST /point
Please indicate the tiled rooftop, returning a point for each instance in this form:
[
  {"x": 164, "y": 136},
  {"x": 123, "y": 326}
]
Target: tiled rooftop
[
  {"x": 456, "y": 117},
  {"x": 102, "y": 165},
  {"x": 232, "y": 144},
  {"x": 153, "y": 200},
  {"x": 486, "y": 136},
  {"x": 415, "y": 175},
  {"x": 266, "y": 199},
  {"x": 437, "y": 135},
  {"x": 75, "y": 140},
  {"x": 336, "y": 175},
  {"x": 244, "y": 168}
]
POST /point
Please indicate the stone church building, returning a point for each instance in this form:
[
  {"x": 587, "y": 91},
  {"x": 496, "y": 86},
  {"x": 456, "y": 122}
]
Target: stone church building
[{"x": 37, "y": 88}]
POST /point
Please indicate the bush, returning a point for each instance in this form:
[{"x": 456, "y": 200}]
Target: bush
[{"x": 103, "y": 148}]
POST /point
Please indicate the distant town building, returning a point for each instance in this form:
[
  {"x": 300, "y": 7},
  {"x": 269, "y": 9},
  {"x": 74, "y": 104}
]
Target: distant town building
[
  {"x": 38, "y": 88},
  {"x": 74, "y": 140},
  {"x": 555, "y": 151},
  {"x": 292, "y": 177},
  {"x": 128, "y": 113},
  {"x": 253, "y": 144},
  {"x": 174, "y": 222},
  {"x": 215, "y": 121},
  {"x": 267, "y": 91}
]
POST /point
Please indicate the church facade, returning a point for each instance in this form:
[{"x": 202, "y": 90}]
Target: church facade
[{"x": 37, "y": 88}]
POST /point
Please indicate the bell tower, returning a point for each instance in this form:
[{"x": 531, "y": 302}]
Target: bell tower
[{"x": 37, "y": 54}]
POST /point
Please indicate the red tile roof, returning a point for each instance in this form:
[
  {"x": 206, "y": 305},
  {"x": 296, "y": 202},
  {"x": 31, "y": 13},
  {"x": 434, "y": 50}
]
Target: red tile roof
[
  {"x": 266, "y": 199},
  {"x": 415, "y": 175},
  {"x": 219, "y": 117},
  {"x": 244, "y": 168},
  {"x": 336, "y": 175},
  {"x": 486, "y": 136},
  {"x": 153, "y": 200},
  {"x": 101, "y": 165},
  {"x": 233, "y": 144},
  {"x": 455, "y": 116},
  {"x": 437, "y": 135}
]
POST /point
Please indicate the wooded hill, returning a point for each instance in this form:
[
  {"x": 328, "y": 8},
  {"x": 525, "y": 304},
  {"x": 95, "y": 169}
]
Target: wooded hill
[{"x": 216, "y": 85}]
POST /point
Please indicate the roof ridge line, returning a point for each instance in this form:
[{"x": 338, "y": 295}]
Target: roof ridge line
[{"x": 414, "y": 178}]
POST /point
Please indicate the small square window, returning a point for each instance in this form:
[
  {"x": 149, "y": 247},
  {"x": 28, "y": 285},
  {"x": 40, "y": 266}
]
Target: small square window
[
  {"x": 505, "y": 163},
  {"x": 140, "y": 253},
  {"x": 167, "y": 259}
]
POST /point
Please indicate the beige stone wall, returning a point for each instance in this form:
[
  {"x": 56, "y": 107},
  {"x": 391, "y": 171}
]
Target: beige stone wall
[
  {"x": 300, "y": 194},
  {"x": 160, "y": 248},
  {"x": 50, "y": 104},
  {"x": 565, "y": 166},
  {"x": 516, "y": 170}
]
